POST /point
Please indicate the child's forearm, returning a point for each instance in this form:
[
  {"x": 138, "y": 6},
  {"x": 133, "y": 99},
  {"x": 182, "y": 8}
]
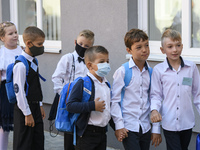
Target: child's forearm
[{"x": 79, "y": 107}]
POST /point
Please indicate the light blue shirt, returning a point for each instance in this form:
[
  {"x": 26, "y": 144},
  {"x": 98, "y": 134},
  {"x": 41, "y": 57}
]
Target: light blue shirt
[
  {"x": 136, "y": 106},
  {"x": 172, "y": 92}
]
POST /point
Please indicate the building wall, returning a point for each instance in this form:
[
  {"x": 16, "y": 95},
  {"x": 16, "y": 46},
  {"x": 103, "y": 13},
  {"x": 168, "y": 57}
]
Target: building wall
[
  {"x": 0, "y": 10},
  {"x": 107, "y": 19}
]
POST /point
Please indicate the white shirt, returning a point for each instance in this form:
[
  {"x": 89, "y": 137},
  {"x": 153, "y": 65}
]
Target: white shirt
[
  {"x": 63, "y": 70},
  {"x": 102, "y": 91},
  {"x": 7, "y": 56},
  {"x": 135, "y": 106},
  {"x": 172, "y": 92},
  {"x": 19, "y": 78}
]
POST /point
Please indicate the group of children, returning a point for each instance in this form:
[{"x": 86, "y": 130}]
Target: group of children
[
  {"x": 27, "y": 114},
  {"x": 166, "y": 94},
  {"x": 167, "y": 97}
]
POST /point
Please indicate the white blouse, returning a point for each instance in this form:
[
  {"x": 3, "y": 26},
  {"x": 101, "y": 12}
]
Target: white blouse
[{"x": 7, "y": 56}]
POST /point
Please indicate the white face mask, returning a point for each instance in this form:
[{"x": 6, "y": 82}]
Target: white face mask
[{"x": 103, "y": 69}]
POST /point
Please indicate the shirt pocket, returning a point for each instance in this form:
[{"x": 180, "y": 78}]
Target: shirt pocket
[{"x": 187, "y": 89}]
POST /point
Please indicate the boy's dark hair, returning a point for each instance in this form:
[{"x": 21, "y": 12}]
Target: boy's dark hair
[
  {"x": 172, "y": 34},
  {"x": 32, "y": 33},
  {"x": 90, "y": 53},
  {"x": 133, "y": 36}
]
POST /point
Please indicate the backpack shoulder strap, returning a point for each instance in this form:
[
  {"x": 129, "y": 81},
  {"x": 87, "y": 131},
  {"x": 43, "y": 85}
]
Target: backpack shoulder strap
[
  {"x": 128, "y": 74},
  {"x": 24, "y": 61},
  {"x": 36, "y": 60},
  {"x": 87, "y": 88},
  {"x": 150, "y": 73},
  {"x": 108, "y": 84},
  {"x": 127, "y": 79}
]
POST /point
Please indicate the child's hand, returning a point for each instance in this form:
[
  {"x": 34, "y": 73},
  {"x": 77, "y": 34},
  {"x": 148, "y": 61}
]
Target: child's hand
[
  {"x": 29, "y": 121},
  {"x": 155, "y": 116},
  {"x": 156, "y": 139},
  {"x": 42, "y": 112},
  {"x": 121, "y": 134},
  {"x": 99, "y": 105}
]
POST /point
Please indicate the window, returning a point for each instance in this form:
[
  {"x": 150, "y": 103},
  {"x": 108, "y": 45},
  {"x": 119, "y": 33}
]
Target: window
[
  {"x": 44, "y": 14},
  {"x": 160, "y": 15},
  {"x": 195, "y": 26}
]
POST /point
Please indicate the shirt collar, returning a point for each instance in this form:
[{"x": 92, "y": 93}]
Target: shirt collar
[
  {"x": 132, "y": 64},
  {"x": 170, "y": 67},
  {"x": 95, "y": 79},
  {"x": 27, "y": 56},
  {"x": 76, "y": 55}
]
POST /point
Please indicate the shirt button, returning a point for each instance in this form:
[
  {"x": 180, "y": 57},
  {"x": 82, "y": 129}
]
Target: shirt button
[
  {"x": 178, "y": 84},
  {"x": 176, "y": 118},
  {"x": 178, "y": 96},
  {"x": 177, "y": 108}
]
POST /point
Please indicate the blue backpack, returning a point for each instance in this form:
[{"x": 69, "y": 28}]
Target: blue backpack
[
  {"x": 9, "y": 78},
  {"x": 65, "y": 121},
  {"x": 128, "y": 76}
]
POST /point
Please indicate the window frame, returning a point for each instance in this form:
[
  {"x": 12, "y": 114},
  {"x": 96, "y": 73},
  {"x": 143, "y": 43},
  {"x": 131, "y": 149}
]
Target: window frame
[
  {"x": 156, "y": 55},
  {"x": 51, "y": 46}
]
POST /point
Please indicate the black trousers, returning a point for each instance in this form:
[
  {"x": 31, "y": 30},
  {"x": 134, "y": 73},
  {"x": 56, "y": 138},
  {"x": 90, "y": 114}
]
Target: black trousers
[
  {"x": 137, "y": 141},
  {"x": 94, "y": 138},
  {"x": 6, "y": 109},
  {"x": 25, "y": 137},
  {"x": 177, "y": 140},
  {"x": 68, "y": 141}
]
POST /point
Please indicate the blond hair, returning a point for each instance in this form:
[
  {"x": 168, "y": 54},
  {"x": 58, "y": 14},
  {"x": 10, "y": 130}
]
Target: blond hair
[
  {"x": 3, "y": 25},
  {"x": 87, "y": 34},
  {"x": 172, "y": 34},
  {"x": 32, "y": 33}
]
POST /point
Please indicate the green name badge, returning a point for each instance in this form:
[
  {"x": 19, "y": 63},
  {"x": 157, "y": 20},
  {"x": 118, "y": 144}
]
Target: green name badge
[{"x": 187, "y": 81}]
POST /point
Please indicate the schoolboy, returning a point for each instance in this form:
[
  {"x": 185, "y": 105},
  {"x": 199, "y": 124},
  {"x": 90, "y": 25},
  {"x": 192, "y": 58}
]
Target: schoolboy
[
  {"x": 95, "y": 114},
  {"x": 174, "y": 83},
  {"x": 70, "y": 67},
  {"x": 131, "y": 119},
  {"x": 28, "y": 111}
]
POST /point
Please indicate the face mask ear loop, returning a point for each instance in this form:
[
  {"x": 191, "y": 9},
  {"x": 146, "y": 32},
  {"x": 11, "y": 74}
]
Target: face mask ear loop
[{"x": 32, "y": 44}]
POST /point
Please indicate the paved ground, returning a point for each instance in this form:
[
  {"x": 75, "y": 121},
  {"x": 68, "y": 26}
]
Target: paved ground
[{"x": 51, "y": 143}]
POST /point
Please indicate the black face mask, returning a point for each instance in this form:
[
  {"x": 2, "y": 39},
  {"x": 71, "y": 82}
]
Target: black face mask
[
  {"x": 37, "y": 50},
  {"x": 80, "y": 50}
]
